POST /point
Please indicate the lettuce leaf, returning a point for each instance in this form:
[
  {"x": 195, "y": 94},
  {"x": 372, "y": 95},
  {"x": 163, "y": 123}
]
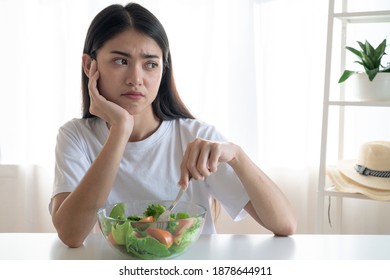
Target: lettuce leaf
[
  {"x": 146, "y": 247},
  {"x": 154, "y": 210},
  {"x": 118, "y": 211},
  {"x": 188, "y": 237},
  {"x": 120, "y": 231}
]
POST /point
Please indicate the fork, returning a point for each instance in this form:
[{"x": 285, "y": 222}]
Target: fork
[{"x": 165, "y": 216}]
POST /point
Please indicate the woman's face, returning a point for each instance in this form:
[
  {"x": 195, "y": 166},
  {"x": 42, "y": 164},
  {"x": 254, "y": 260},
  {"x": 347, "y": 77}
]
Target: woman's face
[{"x": 130, "y": 67}]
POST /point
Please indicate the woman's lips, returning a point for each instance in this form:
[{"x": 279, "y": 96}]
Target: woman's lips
[{"x": 134, "y": 95}]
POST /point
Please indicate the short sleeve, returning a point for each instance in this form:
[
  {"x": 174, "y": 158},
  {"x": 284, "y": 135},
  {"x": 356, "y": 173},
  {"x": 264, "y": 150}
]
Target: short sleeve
[
  {"x": 226, "y": 187},
  {"x": 71, "y": 159}
]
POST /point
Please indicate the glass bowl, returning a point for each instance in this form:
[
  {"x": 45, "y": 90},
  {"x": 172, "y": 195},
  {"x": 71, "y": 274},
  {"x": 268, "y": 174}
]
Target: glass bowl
[{"x": 132, "y": 228}]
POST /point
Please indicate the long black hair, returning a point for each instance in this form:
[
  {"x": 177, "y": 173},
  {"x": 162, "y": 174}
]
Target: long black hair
[{"x": 117, "y": 18}]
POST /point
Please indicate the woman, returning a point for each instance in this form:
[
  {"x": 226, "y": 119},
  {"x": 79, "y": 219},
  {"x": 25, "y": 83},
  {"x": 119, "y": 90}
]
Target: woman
[{"x": 137, "y": 140}]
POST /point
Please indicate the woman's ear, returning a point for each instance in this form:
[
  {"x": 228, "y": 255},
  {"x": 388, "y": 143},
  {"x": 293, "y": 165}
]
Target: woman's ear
[{"x": 86, "y": 60}]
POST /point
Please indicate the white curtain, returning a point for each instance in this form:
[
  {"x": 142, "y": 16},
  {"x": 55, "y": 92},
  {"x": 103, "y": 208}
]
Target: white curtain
[
  {"x": 234, "y": 64},
  {"x": 253, "y": 68}
]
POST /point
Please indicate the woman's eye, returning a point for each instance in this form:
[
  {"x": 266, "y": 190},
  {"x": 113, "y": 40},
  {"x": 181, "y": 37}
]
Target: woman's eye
[
  {"x": 151, "y": 65},
  {"x": 120, "y": 61}
]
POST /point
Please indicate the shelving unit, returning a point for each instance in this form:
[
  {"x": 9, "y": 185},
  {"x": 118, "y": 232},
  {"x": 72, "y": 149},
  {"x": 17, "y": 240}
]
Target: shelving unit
[
  {"x": 360, "y": 103},
  {"x": 364, "y": 17},
  {"x": 345, "y": 18}
]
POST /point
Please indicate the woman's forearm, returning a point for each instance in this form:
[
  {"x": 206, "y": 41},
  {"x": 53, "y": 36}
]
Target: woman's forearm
[
  {"x": 76, "y": 215},
  {"x": 271, "y": 208}
]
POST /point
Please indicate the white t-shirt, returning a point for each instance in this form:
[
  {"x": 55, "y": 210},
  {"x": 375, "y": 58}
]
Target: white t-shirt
[{"x": 150, "y": 169}]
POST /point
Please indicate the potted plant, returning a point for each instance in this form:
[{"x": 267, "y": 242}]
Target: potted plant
[{"x": 374, "y": 82}]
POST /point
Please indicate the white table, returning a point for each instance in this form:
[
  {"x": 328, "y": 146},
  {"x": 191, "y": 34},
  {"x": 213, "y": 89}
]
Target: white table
[{"x": 47, "y": 246}]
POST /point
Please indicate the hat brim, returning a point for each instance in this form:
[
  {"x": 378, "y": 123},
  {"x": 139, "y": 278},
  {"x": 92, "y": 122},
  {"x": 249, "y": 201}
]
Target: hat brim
[
  {"x": 345, "y": 184},
  {"x": 347, "y": 168}
]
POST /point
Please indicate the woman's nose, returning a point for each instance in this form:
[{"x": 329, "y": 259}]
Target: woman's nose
[{"x": 134, "y": 76}]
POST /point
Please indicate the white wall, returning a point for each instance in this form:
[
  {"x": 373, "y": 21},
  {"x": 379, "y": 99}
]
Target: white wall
[{"x": 24, "y": 193}]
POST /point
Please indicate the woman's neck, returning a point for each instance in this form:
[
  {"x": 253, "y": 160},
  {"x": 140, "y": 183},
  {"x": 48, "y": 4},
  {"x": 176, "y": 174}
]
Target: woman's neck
[{"x": 144, "y": 127}]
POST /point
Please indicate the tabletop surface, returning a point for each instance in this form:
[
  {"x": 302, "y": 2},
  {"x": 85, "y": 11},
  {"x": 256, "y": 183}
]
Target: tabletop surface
[{"x": 47, "y": 246}]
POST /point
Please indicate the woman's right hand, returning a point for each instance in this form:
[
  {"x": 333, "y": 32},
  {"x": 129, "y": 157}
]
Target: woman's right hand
[{"x": 110, "y": 112}]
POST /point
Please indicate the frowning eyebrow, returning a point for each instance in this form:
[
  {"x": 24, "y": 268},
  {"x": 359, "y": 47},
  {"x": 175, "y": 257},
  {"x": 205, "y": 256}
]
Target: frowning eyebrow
[{"x": 145, "y": 55}]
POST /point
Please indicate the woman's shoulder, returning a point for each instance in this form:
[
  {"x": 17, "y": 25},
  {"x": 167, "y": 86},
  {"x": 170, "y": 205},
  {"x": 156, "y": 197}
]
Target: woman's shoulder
[
  {"x": 78, "y": 122},
  {"x": 199, "y": 128},
  {"x": 194, "y": 124},
  {"x": 80, "y": 126}
]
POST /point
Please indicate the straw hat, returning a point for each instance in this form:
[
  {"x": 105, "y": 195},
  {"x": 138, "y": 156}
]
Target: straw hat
[{"x": 368, "y": 174}]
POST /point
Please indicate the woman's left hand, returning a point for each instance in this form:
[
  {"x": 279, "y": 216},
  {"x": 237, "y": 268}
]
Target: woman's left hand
[{"x": 202, "y": 157}]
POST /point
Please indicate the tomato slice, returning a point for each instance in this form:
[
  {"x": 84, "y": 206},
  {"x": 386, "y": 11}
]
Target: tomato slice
[{"x": 165, "y": 237}]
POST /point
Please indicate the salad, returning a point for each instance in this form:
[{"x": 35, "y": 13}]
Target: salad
[{"x": 145, "y": 238}]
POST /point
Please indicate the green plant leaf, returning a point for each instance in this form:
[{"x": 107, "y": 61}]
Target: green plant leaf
[
  {"x": 362, "y": 46},
  {"x": 370, "y": 51},
  {"x": 372, "y": 73},
  {"x": 387, "y": 70},
  {"x": 380, "y": 51},
  {"x": 346, "y": 75},
  {"x": 355, "y": 51},
  {"x": 361, "y": 63},
  {"x": 368, "y": 63}
]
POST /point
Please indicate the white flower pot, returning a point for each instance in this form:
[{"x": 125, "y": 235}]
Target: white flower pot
[{"x": 361, "y": 88}]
